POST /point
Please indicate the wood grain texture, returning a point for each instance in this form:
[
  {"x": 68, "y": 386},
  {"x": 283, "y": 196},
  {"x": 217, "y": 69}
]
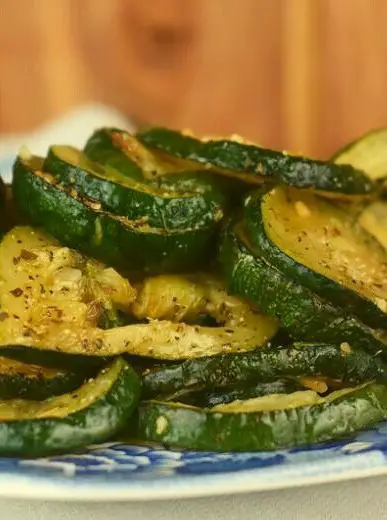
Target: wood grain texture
[{"x": 297, "y": 74}]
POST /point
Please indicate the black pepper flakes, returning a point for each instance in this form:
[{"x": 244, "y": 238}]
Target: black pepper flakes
[
  {"x": 17, "y": 292},
  {"x": 28, "y": 255}
]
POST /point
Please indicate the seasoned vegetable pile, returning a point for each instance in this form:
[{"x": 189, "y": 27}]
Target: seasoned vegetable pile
[{"x": 195, "y": 293}]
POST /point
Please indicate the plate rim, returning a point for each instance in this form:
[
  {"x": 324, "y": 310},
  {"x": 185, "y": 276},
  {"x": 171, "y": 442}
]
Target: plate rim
[{"x": 45, "y": 488}]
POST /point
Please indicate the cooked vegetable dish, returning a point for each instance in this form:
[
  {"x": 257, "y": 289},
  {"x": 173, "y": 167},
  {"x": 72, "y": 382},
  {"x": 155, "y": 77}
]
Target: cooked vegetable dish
[{"x": 205, "y": 294}]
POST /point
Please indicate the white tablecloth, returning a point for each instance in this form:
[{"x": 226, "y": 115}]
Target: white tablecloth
[{"x": 357, "y": 500}]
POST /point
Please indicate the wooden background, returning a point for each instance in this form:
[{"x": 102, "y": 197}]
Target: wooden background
[{"x": 305, "y": 75}]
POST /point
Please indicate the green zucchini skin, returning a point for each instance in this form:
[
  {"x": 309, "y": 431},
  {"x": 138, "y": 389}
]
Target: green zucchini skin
[
  {"x": 259, "y": 162},
  {"x": 208, "y": 399},
  {"x": 161, "y": 209},
  {"x": 353, "y": 303},
  {"x": 103, "y": 148},
  {"x": 100, "y": 148},
  {"x": 2, "y": 193},
  {"x": 96, "y": 423},
  {"x": 78, "y": 363},
  {"x": 180, "y": 426},
  {"x": 262, "y": 365},
  {"x": 305, "y": 315},
  {"x": 78, "y": 223},
  {"x": 38, "y": 388}
]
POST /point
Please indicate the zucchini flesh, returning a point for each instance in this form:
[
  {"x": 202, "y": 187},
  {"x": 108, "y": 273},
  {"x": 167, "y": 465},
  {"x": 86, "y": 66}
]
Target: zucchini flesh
[
  {"x": 170, "y": 297},
  {"x": 80, "y": 223},
  {"x": 367, "y": 153},
  {"x": 93, "y": 413},
  {"x": 320, "y": 246},
  {"x": 35, "y": 382},
  {"x": 374, "y": 220},
  {"x": 266, "y": 423},
  {"x": 178, "y": 298},
  {"x": 265, "y": 364},
  {"x": 254, "y": 164},
  {"x": 157, "y": 339},
  {"x": 48, "y": 287},
  {"x": 305, "y": 315},
  {"x": 137, "y": 201}
]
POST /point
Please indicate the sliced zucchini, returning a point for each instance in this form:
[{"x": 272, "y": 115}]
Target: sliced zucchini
[
  {"x": 2, "y": 193},
  {"x": 374, "y": 220},
  {"x": 305, "y": 315},
  {"x": 171, "y": 297},
  {"x": 265, "y": 364},
  {"x": 53, "y": 359},
  {"x": 156, "y": 339},
  {"x": 93, "y": 413},
  {"x": 81, "y": 223},
  {"x": 265, "y": 423},
  {"x": 319, "y": 246},
  {"x": 178, "y": 298},
  {"x": 107, "y": 146},
  {"x": 118, "y": 193},
  {"x": 118, "y": 149},
  {"x": 48, "y": 287},
  {"x": 9, "y": 216},
  {"x": 123, "y": 151},
  {"x": 254, "y": 164},
  {"x": 35, "y": 382},
  {"x": 367, "y": 153},
  {"x": 208, "y": 398},
  {"x": 36, "y": 312}
]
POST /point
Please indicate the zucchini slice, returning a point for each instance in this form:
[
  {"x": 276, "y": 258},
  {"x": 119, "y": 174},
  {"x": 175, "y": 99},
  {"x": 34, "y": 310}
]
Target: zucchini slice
[
  {"x": 80, "y": 223},
  {"x": 253, "y": 164},
  {"x": 48, "y": 287},
  {"x": 35, "y": 382},
  {"x": 156, "y": 339},
  {"x": 93, "y": 413},
  {"x": 36, "y": 313},
  {"x": 177, "y": 298},
  {"x": 137, "y": 201},
  {"x": 54, "y": 359},
  {"x": 320, "y": 246},
  {"x": 114, "y": 148},
  {"x": 2, "y": 193},
  {"x": 367, "y": 153},
  {"x": 208, "y": 398},
  {"x": 374, "y": 220},
  {"x": 265, "y": 364},
  {"x": 124, "y": 152},
  {"x": 107, "y": 146},
  {"x": 305, "y": 315},
  {"x": 266, "y": 423}
]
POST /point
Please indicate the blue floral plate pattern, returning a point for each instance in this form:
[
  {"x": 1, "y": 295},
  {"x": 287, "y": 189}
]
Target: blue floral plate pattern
[{"x": 116, "y": 471}]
